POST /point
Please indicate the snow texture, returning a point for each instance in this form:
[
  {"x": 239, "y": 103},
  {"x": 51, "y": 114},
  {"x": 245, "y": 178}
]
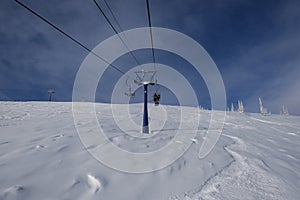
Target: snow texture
[{"x": 42, "y": 157}]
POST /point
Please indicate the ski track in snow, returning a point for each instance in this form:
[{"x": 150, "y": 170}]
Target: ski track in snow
[
  {"x": 245, "y": 178},
  {"x": 41, "y": 157}
]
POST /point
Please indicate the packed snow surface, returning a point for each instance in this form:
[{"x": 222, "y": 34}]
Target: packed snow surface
[{"x": 42, "y": 157}]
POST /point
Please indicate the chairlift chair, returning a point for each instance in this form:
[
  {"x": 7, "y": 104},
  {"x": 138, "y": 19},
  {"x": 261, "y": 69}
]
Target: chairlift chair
[
  {"x": 156, "y": 99},
  {"x": 156, "y": 95},
  {"x": 129, "y": 93}
]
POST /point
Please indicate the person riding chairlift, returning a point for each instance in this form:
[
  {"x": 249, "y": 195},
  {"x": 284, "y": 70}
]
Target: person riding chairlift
[{"x": 156, "y": 98}]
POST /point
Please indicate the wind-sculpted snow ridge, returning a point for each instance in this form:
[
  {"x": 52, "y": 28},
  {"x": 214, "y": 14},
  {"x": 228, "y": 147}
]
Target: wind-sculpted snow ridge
[
  {"x": 245, "y": 178},
  {"x": 266, "y": 161},
  {"x": 42, "y": 157}
]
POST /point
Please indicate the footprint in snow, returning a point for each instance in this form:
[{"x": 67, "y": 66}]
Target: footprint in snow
[
  {"x": 15, "y": 192},
  {"x": 56, "y": 137},
  {"x": 40, "y": 146},
  {"x": 4, "y": 143}
]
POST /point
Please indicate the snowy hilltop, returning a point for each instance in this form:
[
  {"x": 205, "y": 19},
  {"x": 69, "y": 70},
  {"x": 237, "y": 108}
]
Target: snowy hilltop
[{"x": 42, "y": 156}]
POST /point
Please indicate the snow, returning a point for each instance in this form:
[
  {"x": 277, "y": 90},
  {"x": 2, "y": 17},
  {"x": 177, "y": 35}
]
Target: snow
[
  {"x": 93, "y": 183},
  {"x": 42, "y": 157}
]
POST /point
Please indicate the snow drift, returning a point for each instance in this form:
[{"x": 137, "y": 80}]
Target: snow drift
[{"x": 42, "y": 157}]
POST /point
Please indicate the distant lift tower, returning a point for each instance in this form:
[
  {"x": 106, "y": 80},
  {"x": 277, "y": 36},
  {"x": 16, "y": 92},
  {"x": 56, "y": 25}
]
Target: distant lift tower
[
  {"x": 50, "y": 92},
  {"x": 145, "y": 78}
]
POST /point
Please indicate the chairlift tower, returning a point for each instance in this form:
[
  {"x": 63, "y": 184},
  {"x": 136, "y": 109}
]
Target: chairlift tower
[
  {"x": 145, "y": 78},
  {"x": 50, "y": 92}
]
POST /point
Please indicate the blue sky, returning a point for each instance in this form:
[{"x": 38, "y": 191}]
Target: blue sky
[{"x": 255, "y": 44}]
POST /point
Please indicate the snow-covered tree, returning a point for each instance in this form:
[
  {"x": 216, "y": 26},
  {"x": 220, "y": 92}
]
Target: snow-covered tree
[
  {"x": 262, "y": 110},
  {"x": 232, "y": 107},
  {"x": 284, "y": 111},
  {"x": 240, "y": 107}
]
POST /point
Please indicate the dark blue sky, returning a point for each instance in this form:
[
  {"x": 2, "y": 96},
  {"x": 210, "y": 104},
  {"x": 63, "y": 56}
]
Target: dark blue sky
[{"x": 255, "y": 44}]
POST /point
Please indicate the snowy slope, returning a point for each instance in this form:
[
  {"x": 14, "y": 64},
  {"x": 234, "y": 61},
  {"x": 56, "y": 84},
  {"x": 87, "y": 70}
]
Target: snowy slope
[{"x": 42, "y": 157}]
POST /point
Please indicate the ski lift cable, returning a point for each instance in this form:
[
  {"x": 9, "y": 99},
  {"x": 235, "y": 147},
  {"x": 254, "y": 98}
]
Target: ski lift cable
[
  {"x": 157, "y": 88},
  {"x": 118, "y": 24},
  {"x": 71, "y": 38},
  {"x": 114, "y": 29},
  {"x": 151, "y": 35},
  {"x": 114, "y": 17}
]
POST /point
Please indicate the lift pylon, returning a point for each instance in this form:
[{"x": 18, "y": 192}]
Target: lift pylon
[{"x": 145, "y": 78}]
